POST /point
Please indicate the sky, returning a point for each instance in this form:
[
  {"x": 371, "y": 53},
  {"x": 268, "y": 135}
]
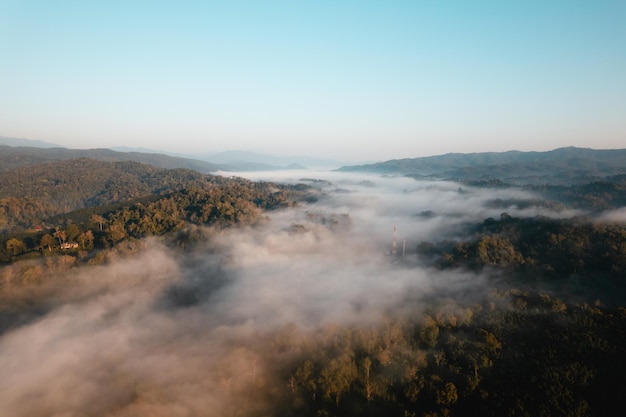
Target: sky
[{"x": 350, "y": 80}]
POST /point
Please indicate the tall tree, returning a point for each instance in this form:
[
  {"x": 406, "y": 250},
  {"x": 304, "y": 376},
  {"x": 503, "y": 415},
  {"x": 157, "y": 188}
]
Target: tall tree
[
  {"x": 337, "y": 376},
  {"x": 15, "y": 246},
  {"x": 72, "y": 231},
  {"x": 86, "y": 236},
  {"x": 99, "y": 220},
  {"x": 61, "y": 235},
  {"x": 47, "y": 241}
]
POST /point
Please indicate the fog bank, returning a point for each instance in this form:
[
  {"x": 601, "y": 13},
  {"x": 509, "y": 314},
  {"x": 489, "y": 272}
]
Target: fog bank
[{"x": 187, "y": 334}]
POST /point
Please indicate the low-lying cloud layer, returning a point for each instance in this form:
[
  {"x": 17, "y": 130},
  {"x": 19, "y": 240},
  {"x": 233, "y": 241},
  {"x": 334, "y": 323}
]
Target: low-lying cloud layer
[{"x": 171, "y": 334}]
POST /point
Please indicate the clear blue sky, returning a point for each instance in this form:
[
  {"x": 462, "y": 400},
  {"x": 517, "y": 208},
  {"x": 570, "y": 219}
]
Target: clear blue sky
[{"x": 354, "y": 80}]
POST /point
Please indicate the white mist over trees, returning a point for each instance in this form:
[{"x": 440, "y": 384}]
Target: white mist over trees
[{"x": 170, "y": 333}]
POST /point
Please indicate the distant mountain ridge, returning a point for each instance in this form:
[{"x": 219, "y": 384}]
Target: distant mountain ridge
[
  {"x": 8, "y": 141},
  {"x": 562, "y": 165},
  {"x": 247, "y": 161},
  {"x": 205, "y": 162},
  {"x": 15, "y": 157}
]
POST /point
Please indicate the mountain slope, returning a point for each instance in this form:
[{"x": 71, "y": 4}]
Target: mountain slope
[
  {"x": 14, "y": 157},
  {"x": 56, "y": 187},
  {"x": 4, "y": 140},
  {"x": 562, "y": 165}
]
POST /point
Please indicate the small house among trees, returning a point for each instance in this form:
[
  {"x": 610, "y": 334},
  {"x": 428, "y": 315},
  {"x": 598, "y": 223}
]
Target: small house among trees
[{"x": 69, "y": 245}]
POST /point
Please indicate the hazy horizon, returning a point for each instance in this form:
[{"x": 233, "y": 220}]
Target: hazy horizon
[
  {"x": 356, "y": 81},
  {"x": 318, "y": 164}
]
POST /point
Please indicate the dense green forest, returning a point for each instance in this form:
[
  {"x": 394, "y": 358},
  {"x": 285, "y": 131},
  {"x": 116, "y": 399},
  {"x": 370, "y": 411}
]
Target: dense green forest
[
  {"x": 72, "y": 207},
  {"x": 540, "y": 335},
  {"x": 546, "y": 339},
  {"x": 593, "y": 195},
  {"x": 577, "y": 256},
  {"x": 513, "y": 354},
  {"x": 12, "y": 157},
  {"x": 563, "y": 166}
]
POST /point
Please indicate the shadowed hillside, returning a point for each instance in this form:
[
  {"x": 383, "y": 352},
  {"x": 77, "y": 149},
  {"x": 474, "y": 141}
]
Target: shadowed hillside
[
  {"x": 14, "y": 157},
  {"x": 30, "y": 195},
  {"x": 563, "y": 166}
]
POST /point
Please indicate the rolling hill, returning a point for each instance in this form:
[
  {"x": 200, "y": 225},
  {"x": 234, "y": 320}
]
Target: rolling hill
[
  {"x": 560, "y": 166},
  {"x": 23, "y": 156}
]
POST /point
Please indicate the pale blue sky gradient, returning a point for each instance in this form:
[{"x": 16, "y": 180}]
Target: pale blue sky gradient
[{"x": 351, "y": 80}]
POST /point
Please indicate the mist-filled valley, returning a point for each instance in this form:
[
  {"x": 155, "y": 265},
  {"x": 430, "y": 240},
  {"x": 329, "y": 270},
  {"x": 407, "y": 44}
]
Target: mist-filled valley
[
  {"x": 312, "y": 209},
  {"x": 353, "y": 295}
]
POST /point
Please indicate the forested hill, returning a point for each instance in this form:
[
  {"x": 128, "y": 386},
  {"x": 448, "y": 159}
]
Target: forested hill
[
  {"x": 14, "y": 157},
  {"x": 30, "y": 195},
  {"x": 62, "y": 186},
  {"x": 48, "y": 209},
  {"x": 563, "y": 166}
]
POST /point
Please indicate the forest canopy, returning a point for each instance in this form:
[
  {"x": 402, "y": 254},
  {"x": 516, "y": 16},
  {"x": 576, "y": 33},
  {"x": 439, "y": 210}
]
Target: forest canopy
[{"x": 226, "y": 296}]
